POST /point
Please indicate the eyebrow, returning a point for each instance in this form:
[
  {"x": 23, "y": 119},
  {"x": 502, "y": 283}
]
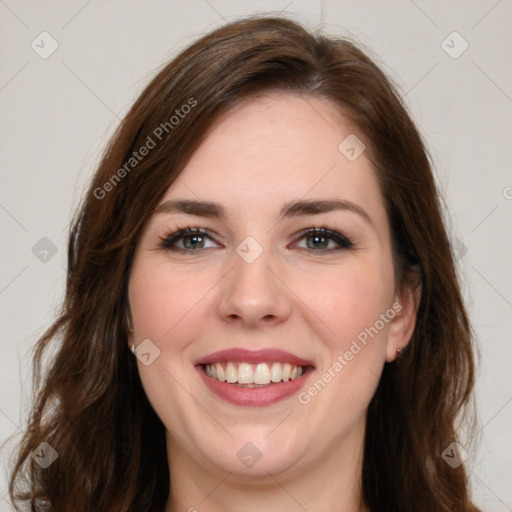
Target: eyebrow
[{"x": 290, "y": 209}]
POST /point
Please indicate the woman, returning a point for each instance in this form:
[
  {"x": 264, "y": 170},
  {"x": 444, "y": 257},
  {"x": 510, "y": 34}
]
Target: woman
[{"x": 262, "y": 310}]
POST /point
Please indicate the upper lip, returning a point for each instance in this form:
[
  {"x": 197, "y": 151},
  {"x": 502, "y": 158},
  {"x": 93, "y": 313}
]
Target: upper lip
[{"x": 241, "y": 355}]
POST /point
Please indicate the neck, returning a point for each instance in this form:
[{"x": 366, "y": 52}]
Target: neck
[{"x": 332, "y": 482}]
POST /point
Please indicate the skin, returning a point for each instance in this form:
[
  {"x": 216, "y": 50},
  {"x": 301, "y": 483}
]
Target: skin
[{"x": 313, "y": 303}]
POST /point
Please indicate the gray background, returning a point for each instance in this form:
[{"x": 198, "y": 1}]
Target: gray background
[{"x": 57, "y": 114}]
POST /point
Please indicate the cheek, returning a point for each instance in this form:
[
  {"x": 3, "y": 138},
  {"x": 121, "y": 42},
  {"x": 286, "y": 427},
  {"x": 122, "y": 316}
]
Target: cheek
[
  {"x": 347, "y": 305},
  {"x": 163, "y": 303},
  {"x": 162, "y": 299},
  {"x": 349, "y": 300}
]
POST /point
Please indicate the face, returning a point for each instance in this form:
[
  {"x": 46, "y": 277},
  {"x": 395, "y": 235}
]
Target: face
[{"x": 252, "y": 291}]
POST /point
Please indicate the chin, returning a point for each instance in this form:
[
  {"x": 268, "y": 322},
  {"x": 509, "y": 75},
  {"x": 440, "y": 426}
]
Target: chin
[{"x": 255, "y": 453}]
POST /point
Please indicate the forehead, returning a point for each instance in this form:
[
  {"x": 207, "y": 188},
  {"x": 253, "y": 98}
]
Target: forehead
[{"x": 275, "y": 148}]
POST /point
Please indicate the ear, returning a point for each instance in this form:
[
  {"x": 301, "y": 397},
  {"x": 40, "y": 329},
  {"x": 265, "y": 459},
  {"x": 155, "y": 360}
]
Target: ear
[{"x": 402, "y": 326}]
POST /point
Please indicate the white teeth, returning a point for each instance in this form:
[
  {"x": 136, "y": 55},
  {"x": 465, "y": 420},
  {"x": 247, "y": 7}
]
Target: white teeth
[
  {"x": 262, "y": 374},
  {"x": 253, "y": 375},
  {"x": 220, "y": 372},
  {"x": 275, "y": 372},
  {"x": 231, "y": 373},
  {"x": 296, "y": 372},
  {"x": 245, "y": 374}
]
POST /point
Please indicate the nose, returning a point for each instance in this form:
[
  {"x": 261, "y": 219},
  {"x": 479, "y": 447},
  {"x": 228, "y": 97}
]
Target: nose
[{"x": 255, "y": 294}]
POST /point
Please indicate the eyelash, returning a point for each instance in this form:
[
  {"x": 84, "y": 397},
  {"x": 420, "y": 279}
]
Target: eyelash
[{"x": 344, "y": 242}]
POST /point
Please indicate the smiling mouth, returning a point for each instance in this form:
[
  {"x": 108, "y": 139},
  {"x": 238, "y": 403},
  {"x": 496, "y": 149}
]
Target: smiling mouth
[{"x": 259, "y": 375}]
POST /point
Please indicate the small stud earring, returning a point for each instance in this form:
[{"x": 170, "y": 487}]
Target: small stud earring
[
  {"x": 132, "y": 349},
  {"x": 398, "y": 355}
]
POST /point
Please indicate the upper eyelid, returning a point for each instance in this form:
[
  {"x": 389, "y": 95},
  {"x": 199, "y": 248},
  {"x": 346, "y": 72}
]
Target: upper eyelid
[{"x": 179, "y": 233}]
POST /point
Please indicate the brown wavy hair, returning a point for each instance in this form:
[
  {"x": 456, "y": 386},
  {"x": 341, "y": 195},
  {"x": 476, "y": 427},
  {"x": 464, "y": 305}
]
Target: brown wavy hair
[{"x": 89, "y": 403}]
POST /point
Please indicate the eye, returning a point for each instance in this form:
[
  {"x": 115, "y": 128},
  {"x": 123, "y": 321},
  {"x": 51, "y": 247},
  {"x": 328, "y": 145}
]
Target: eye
[
  {"x": 195, "y": 238},
  {"x": 322, "y": 240},
  {"x": 187, "y": 239}
]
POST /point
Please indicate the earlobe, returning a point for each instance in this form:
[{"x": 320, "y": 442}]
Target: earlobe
[{"x": 403, "y": 324}]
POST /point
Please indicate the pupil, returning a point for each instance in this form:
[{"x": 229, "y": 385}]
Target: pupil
[
  {"x": 195, "y": 241},
  {"x": 316, "y": 239}
]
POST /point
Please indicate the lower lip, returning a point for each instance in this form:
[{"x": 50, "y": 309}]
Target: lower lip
[{"x": 254, "y": 396}]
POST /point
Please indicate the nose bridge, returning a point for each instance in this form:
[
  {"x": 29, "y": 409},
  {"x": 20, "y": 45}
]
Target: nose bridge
[{"x": 253, "y": 293}]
